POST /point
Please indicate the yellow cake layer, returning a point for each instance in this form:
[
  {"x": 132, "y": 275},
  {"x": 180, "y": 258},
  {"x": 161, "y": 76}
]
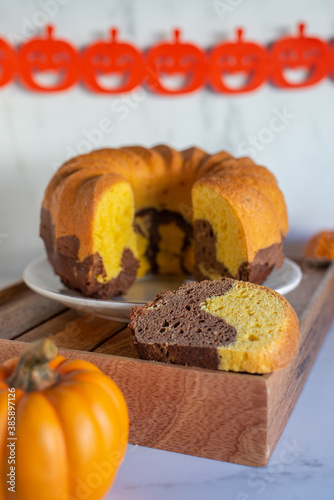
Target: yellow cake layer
[
  {"x": 259, "y": 319},
  {"x": 113, "y": 229}
]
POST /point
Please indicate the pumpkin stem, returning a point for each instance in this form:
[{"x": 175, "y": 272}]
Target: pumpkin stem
[
  {"x": 301, "y": 29},
  {"x": 33, "y": 372},
  {"x": 49, "y": 30},
  {"x": 177, "y": 35},
  {"x": 240, "y": 33},
  {"x": 114, "y": 33}
]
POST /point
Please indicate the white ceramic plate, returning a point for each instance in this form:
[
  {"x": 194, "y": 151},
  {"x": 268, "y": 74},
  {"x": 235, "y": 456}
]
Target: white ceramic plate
[{"x": 39, "y": 276}]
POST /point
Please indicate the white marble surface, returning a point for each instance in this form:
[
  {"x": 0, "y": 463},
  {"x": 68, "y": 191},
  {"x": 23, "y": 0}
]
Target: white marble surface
[{"x": 301, "y": 467}]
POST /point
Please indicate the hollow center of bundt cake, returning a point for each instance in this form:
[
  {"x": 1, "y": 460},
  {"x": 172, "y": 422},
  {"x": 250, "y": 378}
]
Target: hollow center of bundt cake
[
  {"x": 230, "y": 245},
  {"x": 113, "y": 230},
  {"x": 164, "y": 239},
  {"x": 171, "y": 241},
  {"x": 256, "y": 315}
]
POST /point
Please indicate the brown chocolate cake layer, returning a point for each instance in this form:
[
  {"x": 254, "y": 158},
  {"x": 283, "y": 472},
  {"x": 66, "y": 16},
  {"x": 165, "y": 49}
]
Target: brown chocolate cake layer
[
  {"x": 175, "y": 329},
  {"x": 81, "y": 276},
  {"x": 256, "y": 271},
  {"x": 151, "y": 219}
]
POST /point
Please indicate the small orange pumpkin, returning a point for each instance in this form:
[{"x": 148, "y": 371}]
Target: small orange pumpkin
[
  {"x": 321, "y": 246},
  {"x": 63, "y": 430}
]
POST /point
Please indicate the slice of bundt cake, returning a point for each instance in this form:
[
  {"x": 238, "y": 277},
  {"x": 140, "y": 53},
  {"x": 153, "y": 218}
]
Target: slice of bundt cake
[{"x": 225, "y": 325}]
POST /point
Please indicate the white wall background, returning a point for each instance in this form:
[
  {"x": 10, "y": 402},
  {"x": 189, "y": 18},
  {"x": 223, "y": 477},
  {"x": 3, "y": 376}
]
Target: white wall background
[{"x": 37, "y": 132}]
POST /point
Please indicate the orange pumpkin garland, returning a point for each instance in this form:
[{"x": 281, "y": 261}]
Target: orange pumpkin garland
[
  {"x": 233, "y": 57},
  {"x": 44, "y": 54},
  {"x": 114, "y": 58},
  {"x": 70, "y": 425}
]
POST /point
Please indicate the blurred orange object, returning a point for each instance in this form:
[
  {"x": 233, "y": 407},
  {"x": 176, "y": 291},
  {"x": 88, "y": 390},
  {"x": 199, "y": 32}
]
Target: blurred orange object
[
  {"x": 63, "y": 427},
  {"x": 321, "y": 246}
]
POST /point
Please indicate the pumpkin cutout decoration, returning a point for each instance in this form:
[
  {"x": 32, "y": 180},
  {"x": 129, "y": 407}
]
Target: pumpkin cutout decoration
[
  {"x": 239, "y": 58},
  {"x": 175, "y": 58},
  {"x": 112, "y": 58},
  {"x": 67, "y": 424},
  {"x": 330, "y": 48},
  {"x": 321, "y": 246},
  {"x": 300, "y": 53},
  {"x": 42, "y": 56},
  {"x": 7, "y": 63}
]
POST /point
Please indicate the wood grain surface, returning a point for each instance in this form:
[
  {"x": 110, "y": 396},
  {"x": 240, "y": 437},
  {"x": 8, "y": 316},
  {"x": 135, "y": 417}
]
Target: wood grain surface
[
  {"x": 21, "y": 309},
  {"x": 72, "y": 331},
  {"x": 120, "y": 345}
]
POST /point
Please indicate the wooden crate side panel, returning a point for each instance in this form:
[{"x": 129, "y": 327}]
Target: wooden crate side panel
[
  {"x": 222, "y": 416},
  {"x": 285, "y": 386}
]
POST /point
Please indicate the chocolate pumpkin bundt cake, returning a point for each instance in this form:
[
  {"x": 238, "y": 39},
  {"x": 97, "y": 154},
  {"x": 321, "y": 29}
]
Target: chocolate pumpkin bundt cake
[
  {"x": 115, "y": 214},
  {"x": 224, "y": 325}
]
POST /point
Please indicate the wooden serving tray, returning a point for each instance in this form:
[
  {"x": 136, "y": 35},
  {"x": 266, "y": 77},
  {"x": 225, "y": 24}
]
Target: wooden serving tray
[{"x": 236, "y": 417}]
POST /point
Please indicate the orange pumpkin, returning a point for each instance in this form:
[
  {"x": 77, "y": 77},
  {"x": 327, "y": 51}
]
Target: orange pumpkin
[
  {"x": 70, "y": 426},
  {"x": 321, "y": 246}
]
